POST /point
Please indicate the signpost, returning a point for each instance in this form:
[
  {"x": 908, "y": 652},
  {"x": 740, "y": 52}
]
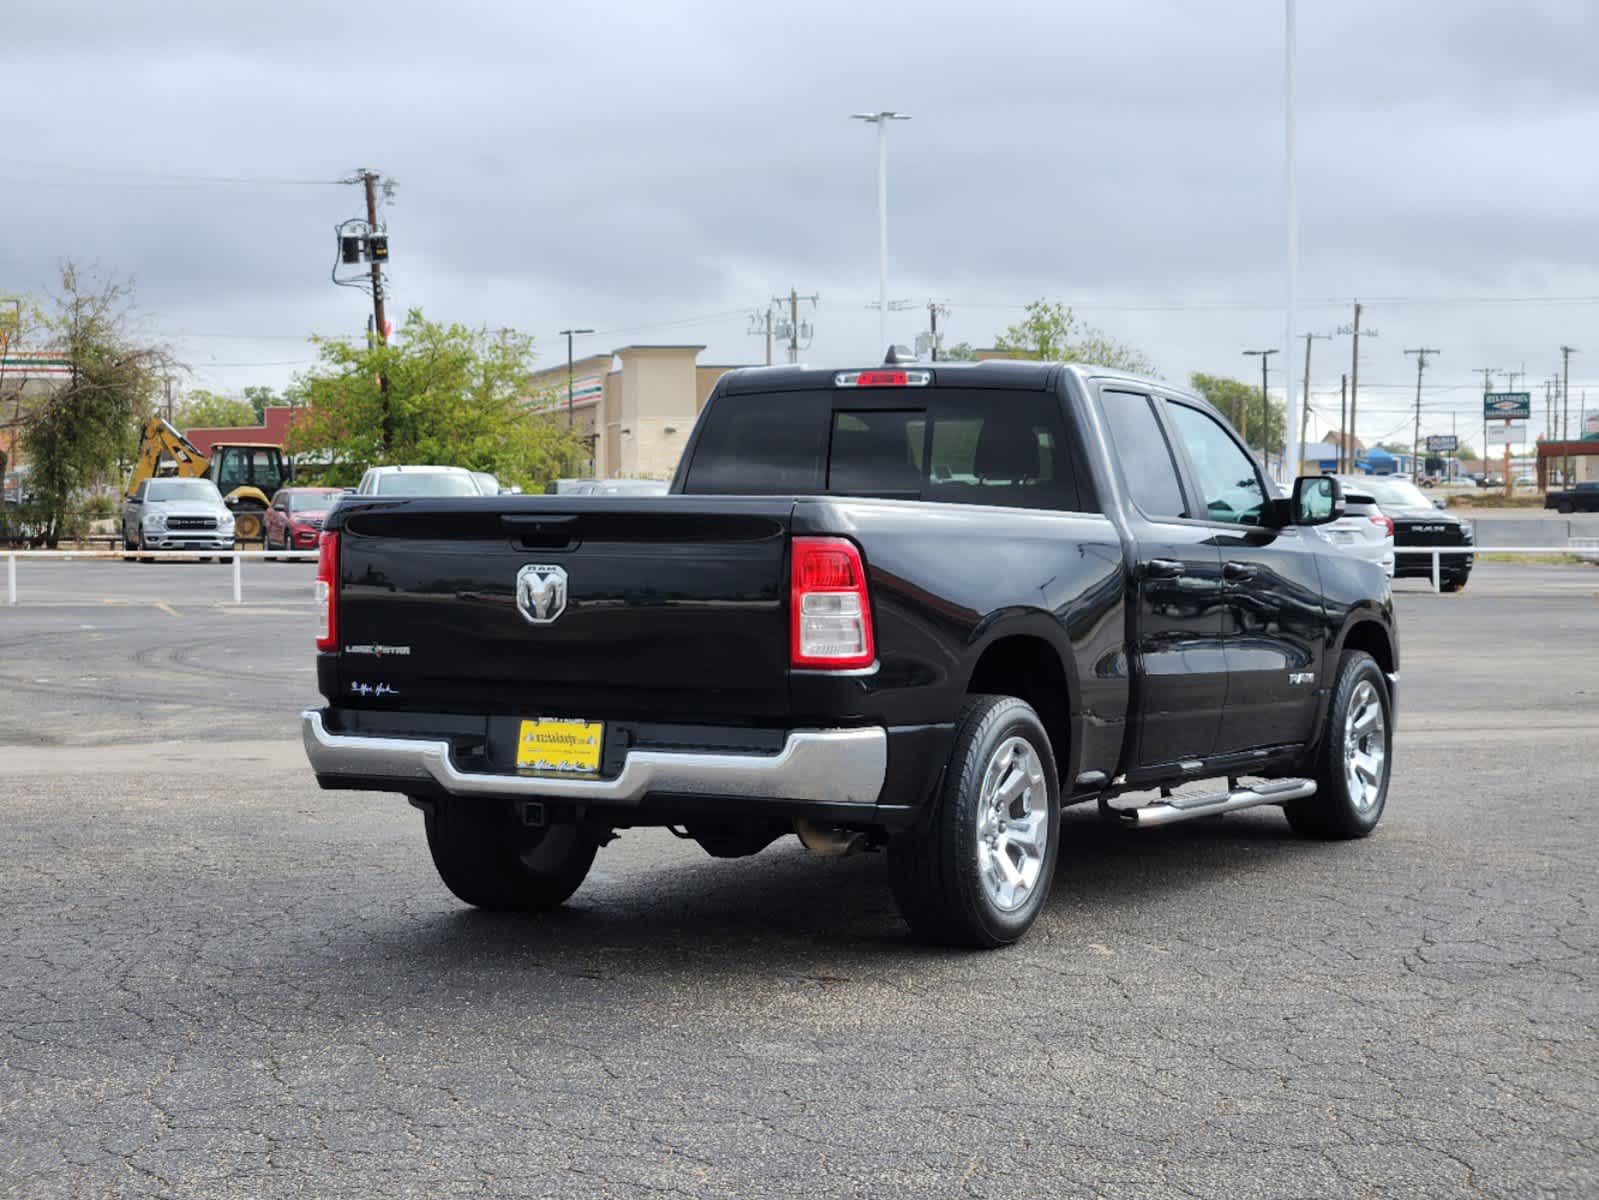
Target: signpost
[
  {"x": 1512, "y": 410},
  {"x": 1442, "y": 443}
]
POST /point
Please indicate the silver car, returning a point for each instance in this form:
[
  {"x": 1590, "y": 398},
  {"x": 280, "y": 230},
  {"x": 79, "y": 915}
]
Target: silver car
[
  {"x": 1363, "y": 530},
  {"x": 177, "y": 514}
]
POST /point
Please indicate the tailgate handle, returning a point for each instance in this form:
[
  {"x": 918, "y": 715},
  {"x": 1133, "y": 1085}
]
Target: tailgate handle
[{"x": 538, "y": 532}]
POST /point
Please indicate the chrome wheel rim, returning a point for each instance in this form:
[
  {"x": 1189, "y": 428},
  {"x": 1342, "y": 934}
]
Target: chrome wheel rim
[
  {"x": 1365, "y": 747},
  {"x": 1012, "y": 824}
]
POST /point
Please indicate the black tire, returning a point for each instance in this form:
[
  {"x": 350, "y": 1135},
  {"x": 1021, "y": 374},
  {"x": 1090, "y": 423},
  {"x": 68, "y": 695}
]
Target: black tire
[
  {"x": 1452, "y": 585},
  {"x": 1333, "y": 812},
  {"x": 491, "y": 861},
  {"x": 1565, "y": 506},
  {"x": 938, "y": 875}
]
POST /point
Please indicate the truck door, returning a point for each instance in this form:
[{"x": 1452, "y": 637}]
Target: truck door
[
  {"x": 1275, "y": 622},
  {"x": 1178, "y": 660}
]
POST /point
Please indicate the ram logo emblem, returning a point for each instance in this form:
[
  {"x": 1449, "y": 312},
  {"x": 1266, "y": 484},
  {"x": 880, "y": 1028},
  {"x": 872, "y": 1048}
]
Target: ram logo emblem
[{"x": 541, "y": 593}]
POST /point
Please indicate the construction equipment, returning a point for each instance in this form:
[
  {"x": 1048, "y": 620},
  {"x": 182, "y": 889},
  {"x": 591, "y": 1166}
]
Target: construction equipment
[{"x": 246, "y": 473}]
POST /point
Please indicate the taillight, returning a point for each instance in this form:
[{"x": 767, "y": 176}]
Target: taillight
[
  {"x": 327, "y": 591},
  {"x": 1387, "y": 524},
  {"x": 830, "y": 612}
]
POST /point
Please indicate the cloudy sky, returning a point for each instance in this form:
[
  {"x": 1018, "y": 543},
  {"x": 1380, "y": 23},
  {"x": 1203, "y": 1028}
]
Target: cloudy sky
[{"x": 658, "y": 171}]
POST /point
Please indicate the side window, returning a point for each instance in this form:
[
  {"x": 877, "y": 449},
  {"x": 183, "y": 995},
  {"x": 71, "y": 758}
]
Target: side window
[
  {"x": 1227, "y": 476},
  {"x": 1146, "y": 460}
]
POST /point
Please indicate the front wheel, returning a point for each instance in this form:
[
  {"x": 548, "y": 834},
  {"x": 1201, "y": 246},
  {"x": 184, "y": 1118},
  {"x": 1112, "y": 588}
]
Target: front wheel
[
  {"x": 981, "y": 874},
  {"x": 1356, "y": 756},
  {"x": 492, "y": 861}
]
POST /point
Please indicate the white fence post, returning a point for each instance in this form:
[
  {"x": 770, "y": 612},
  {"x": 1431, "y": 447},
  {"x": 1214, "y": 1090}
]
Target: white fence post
[
  {"x": 1436, "y": 586},
  {"x": 11, "y": 578},
  {"x": 238, "y": 578}
]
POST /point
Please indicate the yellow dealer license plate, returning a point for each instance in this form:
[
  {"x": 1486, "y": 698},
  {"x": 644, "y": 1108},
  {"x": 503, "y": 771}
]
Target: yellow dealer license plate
[{"x": 558, "y": 744}]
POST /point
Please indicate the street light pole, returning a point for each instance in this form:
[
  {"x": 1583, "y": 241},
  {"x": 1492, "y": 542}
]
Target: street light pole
[
  {"x": 1293, "y": 449},
  {"x": 881, "y": 120},
  {"x": 568, "y": 335},
  {"x": 1265, "y": 406}
]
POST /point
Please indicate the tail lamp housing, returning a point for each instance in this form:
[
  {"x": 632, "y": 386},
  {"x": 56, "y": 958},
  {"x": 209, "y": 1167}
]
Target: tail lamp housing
[
  {"x": 1386, "y": 522},
  {"x": 327, "y": 591},
  {"x": 830, "y": 611}
]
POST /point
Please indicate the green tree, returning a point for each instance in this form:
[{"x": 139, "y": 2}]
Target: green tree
[
  {"x": 79, "y": 433},
  {"x": 1052, "y": 332},
  {"x": 455, "y": 397},
  {"x": 207, "y": 410},
  {"x": 262, "y": 398},
  {"x": 959, "y": 352},
  {"x": 1242, "y": 404}
]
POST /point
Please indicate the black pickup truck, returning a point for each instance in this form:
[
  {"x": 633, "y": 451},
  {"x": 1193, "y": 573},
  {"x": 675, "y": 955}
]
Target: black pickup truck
[
  {"x": 1582, "y": 498},
  {"x": 916, "y": 608}
]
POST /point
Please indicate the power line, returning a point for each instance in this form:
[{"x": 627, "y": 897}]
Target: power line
[{"x": 137, "y": 173}]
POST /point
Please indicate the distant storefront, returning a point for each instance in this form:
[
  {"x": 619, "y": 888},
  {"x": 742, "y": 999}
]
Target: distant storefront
[{"x": 636, "y": 405}]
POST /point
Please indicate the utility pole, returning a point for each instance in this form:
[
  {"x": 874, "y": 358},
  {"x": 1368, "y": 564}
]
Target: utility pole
[
  {"x": 1565, "y": 412},
  {"x": 1304, "y": 411},
  {"x": 568, "y": 334},
  {"x": 934, "y": 311},
  {"x": 369, "y": 180},
  {"x": 1343, "y": 415},
  {"x": 1354, "y": 377},
  {"x": 1415, "y": 439},
  {"x": 761, "y": 323},
  {"x": 793, "y": 329},
  {"x": 1487, "y": 386},
  {"x": 1265, "y": 405}
]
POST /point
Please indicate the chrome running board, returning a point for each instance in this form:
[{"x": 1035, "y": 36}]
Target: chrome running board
[{"x": 1187, "y": 808}]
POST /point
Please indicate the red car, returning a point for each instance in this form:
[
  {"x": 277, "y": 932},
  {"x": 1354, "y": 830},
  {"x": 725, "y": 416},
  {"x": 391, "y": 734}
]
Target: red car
[{"x": 296, "y": 516}]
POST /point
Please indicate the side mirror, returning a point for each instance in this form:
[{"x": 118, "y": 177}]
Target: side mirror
[
  {"x": 1317, "y": 500},
  {"x": 1439, "y": 503}
]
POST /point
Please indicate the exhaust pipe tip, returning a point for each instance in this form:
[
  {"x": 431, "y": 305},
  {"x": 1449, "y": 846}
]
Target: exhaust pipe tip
[{"x": 828, "y": 841}]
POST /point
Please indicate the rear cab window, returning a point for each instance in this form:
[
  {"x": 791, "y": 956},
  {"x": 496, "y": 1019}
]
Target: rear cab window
[{"x": 993, "y": 446}]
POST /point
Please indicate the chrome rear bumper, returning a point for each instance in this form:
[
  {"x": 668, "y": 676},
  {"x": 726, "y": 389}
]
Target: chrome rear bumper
[{"x": 830, "y": 766}]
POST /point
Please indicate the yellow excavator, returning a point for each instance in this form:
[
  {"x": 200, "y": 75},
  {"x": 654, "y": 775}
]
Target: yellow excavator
[{"x": 246, "y": 473}]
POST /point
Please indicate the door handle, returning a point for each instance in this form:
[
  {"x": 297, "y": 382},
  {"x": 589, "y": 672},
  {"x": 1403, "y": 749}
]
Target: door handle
[
  {"x": 1237, "y": 572},
  {"x": 1163, "y": 568}
]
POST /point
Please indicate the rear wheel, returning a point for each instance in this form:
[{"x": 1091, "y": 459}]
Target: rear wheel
[
  {"x": 1452, "y": 585},
  {"x": 1356, "y": 756},
  {"x": 981, "y": 874},
  {"x": 492, "y": 861}
]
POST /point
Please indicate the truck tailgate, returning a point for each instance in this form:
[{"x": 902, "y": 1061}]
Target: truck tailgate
[{"x": 673, "y": 605}]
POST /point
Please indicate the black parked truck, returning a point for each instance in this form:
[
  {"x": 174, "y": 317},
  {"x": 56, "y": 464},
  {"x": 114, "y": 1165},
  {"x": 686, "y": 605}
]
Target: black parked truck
[
  {"x": 915, "y": 608},
  {"x": 1582, "y": 498}
]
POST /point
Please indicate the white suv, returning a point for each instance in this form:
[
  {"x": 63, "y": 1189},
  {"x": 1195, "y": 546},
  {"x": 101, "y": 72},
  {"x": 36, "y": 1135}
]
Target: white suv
[
  {"x": 418, "y": 481},
  {"x": 1363, "y": 530}
]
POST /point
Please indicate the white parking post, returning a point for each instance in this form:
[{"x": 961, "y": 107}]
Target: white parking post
[
  {"x": 238, "y": 578},
  {"x": 1436, "y": 586},
  {"x": 11, "y": 578}
]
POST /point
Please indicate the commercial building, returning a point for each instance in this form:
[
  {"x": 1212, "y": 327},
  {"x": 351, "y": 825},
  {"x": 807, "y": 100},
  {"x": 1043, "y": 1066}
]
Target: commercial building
[{"x": 636, "y": 404}]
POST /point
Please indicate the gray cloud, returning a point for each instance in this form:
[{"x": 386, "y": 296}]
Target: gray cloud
[{"x": 629, "y": 165}]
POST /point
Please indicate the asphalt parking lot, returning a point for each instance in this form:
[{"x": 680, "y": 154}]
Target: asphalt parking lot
[{"x": 219, "y": 981}]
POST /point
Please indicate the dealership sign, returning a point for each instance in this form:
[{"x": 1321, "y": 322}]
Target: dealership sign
[
  {"x": 1506, "y": 406},
  {"x": 1442, "y": 443}
]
